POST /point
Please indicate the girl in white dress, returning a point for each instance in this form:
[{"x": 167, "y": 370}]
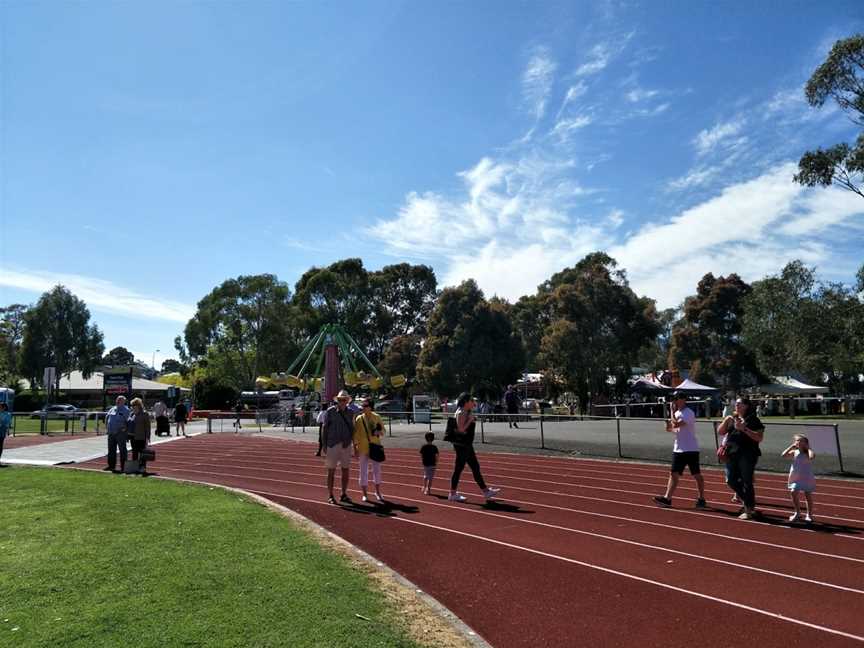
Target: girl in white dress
[{"x": 801, "y": 478}]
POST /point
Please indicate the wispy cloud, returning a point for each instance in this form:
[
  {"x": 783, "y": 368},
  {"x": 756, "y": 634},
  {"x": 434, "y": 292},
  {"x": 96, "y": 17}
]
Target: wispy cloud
[
  {"x": 573, "y": 93},
  {"x": 707, "y": 140},
  {"x": 565, "y": 127},
  {"x": 640, "y": 94},
  {"x": 602, "y": 54},
  {"x": 537, "y": 81},
  {"x": 99, "y": 294}
]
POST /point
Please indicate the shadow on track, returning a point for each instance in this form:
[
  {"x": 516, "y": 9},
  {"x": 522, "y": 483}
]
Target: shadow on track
[{"x": 492, "y": 505}]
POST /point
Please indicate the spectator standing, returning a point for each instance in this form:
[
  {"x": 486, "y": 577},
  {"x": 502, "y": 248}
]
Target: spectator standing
[
  {"x": 801, "y": 477},
  {"x": 511, "y": 404},
  {"x": 337, "y": 433},
  {"x": 742, "y": 451},
  {"x": 5, "y": 425},
  {"x": 685, "y": 452},
  {"x": 238, "y": 410},
  {"x": 139, "y": 431},
  {"x": 368, "y": 430},
  {"x": 180, "y": 416},
  {"x": 115, "y": 423},
  {"x": 429, "y": 456},
  {"x": 463, "y": 445}
]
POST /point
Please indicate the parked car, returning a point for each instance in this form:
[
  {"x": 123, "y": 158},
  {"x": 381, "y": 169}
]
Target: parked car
[
  {"x": 57, "y": 412},
  {"x": 391, "y": 408}
]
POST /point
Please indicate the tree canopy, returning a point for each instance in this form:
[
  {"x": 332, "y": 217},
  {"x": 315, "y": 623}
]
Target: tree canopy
[
  {"x": 707, "y": 339},
  {"x": 841, "y": 78},
  {"x": 244, "y": 326},
  {"x": 598, "y": 326},
  {"x": 118, "y": 356},
  {"x": 58, "y": 333},
  {"x": 470, "y": 345}
]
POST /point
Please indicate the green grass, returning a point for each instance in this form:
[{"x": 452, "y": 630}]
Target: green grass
[
  {"x": 95, "y": 560},
  {"x": 26, "y": 425}
]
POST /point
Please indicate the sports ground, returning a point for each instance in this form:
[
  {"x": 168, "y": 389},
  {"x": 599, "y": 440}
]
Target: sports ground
[{"x": 575, "y": 552}]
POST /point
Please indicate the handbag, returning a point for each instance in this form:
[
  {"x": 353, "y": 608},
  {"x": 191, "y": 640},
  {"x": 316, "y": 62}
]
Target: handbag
[
  {"x": 450, "y": 430},
  {"x": 376, "y": 450}
]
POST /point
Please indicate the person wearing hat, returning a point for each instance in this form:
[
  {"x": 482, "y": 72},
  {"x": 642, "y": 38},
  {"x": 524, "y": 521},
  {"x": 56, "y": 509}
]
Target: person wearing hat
[
  {"x": 337, "y": 435},
  {"x": 685, "y": 451}
]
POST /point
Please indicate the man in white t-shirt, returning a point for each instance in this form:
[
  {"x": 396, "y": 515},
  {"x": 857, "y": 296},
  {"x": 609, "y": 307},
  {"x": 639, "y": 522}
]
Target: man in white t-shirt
[{"x": 685, "y": 452}]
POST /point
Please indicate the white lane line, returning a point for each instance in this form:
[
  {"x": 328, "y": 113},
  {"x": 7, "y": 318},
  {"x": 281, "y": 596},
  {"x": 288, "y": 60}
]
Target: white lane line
[
  {"x": 782, "y": 512},
  {"x": 682, "y": 487},
  {"x": 490, "y": 458},
  {"x": 603, "y": 536},
  {"x": 559, "y": 508},
  {"x": 606, "y": 570}
]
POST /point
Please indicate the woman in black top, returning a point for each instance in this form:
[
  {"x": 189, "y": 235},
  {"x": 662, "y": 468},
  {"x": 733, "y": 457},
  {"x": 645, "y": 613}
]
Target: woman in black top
[
  {"x": 463, "y": 444},
  {"x": 745, "y": 433}
]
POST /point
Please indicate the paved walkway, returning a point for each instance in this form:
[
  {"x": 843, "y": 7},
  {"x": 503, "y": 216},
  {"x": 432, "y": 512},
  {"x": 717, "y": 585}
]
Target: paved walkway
[{"x": 72, "y": 451}]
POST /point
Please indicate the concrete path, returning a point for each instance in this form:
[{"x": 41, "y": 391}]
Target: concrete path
[{"x": 75, "y": 450}]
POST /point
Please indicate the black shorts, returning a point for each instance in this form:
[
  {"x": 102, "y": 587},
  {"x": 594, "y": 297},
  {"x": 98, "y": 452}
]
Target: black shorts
[{"x": 688, "y": 459}]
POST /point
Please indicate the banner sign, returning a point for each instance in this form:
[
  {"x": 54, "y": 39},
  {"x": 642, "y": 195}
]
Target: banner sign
[{"x": 117, "y": 381}]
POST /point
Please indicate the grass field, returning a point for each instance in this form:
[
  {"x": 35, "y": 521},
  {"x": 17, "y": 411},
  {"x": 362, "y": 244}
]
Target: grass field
[{"x": 94, "y": 560}]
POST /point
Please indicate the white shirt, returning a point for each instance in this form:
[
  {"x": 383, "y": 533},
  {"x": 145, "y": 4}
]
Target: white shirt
[
  {"x": 322, "y": 416},
  {"x": 685, "y": 436}
]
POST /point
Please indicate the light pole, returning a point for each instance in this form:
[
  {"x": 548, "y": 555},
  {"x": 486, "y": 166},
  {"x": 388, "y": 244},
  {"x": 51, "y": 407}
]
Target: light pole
[{"x": 153, "y": 361}]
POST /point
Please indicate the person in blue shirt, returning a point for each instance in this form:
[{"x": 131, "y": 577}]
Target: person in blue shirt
[
  {"x": 115, "y": 422},
  {"x": 5, "y": 425}
]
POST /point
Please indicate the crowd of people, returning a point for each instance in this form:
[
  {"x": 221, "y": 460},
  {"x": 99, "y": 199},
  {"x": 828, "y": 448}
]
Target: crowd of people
[
  {"x": 741, "y": 432},
  {"x": 133, "y": 425},
  {"x": 347, "y": 430}
]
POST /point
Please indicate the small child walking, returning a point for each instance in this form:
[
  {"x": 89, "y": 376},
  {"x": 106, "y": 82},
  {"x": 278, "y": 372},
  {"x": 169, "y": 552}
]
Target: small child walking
[
  {"x": 429, "y": 455},
  {"x": 801, "y": 478}
]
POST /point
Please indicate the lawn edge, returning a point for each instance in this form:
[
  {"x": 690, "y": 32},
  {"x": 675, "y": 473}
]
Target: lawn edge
[{"x": 328, "y": 539}]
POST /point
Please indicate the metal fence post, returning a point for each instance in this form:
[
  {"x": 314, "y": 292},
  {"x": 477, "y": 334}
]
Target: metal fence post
[
  {"x": 542, "y": 438},
  {"x": 837, "y": 439},
  {"x": 618, "y": 432},
  {"x": 390, "y": 426},
  {"x": 482, "y": 431}
]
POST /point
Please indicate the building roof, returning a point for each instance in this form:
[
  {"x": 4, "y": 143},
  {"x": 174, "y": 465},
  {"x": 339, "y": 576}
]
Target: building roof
[{"x": 75, "y": 381}]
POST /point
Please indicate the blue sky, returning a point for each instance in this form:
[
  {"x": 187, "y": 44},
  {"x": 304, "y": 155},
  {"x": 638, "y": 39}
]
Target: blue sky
[{"x": 152, "y": 150}]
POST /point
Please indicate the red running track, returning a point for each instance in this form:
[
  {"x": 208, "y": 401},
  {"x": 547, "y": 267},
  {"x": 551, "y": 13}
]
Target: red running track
[{"x": 575, "y": 552}]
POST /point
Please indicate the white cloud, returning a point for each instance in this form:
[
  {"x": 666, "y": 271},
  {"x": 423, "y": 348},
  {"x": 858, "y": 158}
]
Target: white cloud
[
  {"x": 99, "y": 294},
  {"x": 708, "y": 139},
  {"x": 521, "y": 222},
  {"x": 822, "y": 210},
  {"x": 693, "y": 178},
  {"x": 567, "y": 126},
  {"x": 615, "y": 218},
  {"x": 597, "y": 60},
  {"x": 537, "y": 81},
  {"x": 573, "y": 93},
  {"x": 639, "y": 94}
]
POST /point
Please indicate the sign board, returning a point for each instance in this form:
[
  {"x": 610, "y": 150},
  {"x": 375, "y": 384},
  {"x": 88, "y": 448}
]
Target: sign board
[{"x": 117, "y": 381}]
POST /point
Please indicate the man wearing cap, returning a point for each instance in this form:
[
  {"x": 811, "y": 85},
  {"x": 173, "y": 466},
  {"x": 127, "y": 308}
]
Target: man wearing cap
[
  {"x": 685, "y": 451},
  {"x": 337, "y": 433}
]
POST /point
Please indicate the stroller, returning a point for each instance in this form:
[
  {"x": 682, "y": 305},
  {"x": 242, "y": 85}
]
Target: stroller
[{"x": 163, "y": 426}]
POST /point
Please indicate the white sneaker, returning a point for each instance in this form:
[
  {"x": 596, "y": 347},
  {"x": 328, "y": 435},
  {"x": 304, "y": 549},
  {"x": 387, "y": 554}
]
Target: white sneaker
[
  {"x": 457, "y": 497},
  {"x": 378, "y": 497},
  {"x": 808, "y": 519},
  {"x": 491, "y": 492},
  {"x": 794, "y": 517},
  {"x": 364, "y": 498}
]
